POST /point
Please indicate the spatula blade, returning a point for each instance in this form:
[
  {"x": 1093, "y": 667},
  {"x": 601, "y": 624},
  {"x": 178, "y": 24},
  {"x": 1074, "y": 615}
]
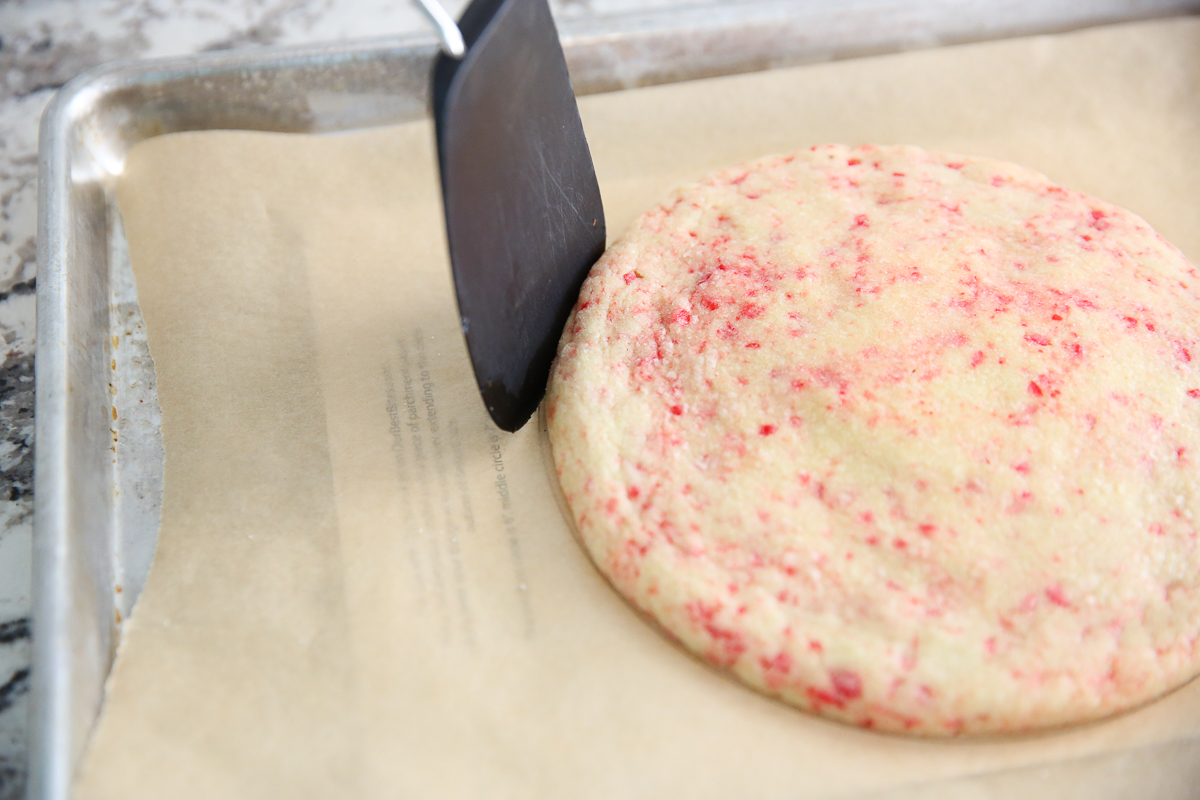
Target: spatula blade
[{"x": 524, "y": 220}]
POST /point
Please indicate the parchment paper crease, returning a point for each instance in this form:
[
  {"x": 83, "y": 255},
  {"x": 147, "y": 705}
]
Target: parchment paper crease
[{"x": 362, "y": 589}]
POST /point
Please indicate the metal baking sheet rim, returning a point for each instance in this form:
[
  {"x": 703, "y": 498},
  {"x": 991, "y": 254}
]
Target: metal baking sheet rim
[{"x": 99, "y": 455}]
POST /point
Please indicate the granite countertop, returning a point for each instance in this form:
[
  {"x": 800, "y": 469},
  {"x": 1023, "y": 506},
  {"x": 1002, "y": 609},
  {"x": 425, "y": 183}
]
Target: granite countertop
[{"x": 43, "y": 44}]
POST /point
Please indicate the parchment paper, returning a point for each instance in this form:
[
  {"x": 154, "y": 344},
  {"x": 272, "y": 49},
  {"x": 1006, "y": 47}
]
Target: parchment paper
[{"x": 363, "y": 589}]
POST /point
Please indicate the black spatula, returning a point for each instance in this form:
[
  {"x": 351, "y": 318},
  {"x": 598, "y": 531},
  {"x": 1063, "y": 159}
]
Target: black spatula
[{"x": 523, "y": 214}]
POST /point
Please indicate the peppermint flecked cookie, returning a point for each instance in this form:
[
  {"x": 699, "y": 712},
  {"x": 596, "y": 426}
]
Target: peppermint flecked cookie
[{"x": 905, "y": 439}]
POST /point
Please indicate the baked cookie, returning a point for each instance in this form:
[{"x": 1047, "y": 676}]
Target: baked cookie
[{"x": 905, "y": 439}]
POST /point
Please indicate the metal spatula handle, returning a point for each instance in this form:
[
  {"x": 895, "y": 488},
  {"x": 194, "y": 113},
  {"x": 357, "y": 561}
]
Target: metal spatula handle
[{"x": 452, "y": 40}]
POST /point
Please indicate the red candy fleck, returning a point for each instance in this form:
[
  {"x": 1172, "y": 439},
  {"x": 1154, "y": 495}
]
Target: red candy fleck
[
  {"x": 846, "y": 683},
  {"x": 782, "y": 662},
  {"x": 860, "y": 221},
  {"x": 1020, "y": 502},
  {"x": 766, "y": 430},
  {"x": 677, "y": 410},
  {"x": 1037, "y": 339},
  {"x": 630, "y": 277},
  {"x": 854, "y": 162},
  {"x": 1193, "y": 393},
  {"x": 1055, "y": 595},
  {"x": 1034, "y": 389},
  {"x": 820, "y": 697}
]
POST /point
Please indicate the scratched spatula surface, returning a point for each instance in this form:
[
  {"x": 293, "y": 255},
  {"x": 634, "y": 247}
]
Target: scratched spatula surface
[{"x": 524, "y": 219}]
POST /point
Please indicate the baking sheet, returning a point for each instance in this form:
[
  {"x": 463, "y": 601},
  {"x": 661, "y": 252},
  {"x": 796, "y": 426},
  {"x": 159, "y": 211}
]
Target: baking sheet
[{"x": 363, "y": 589}]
